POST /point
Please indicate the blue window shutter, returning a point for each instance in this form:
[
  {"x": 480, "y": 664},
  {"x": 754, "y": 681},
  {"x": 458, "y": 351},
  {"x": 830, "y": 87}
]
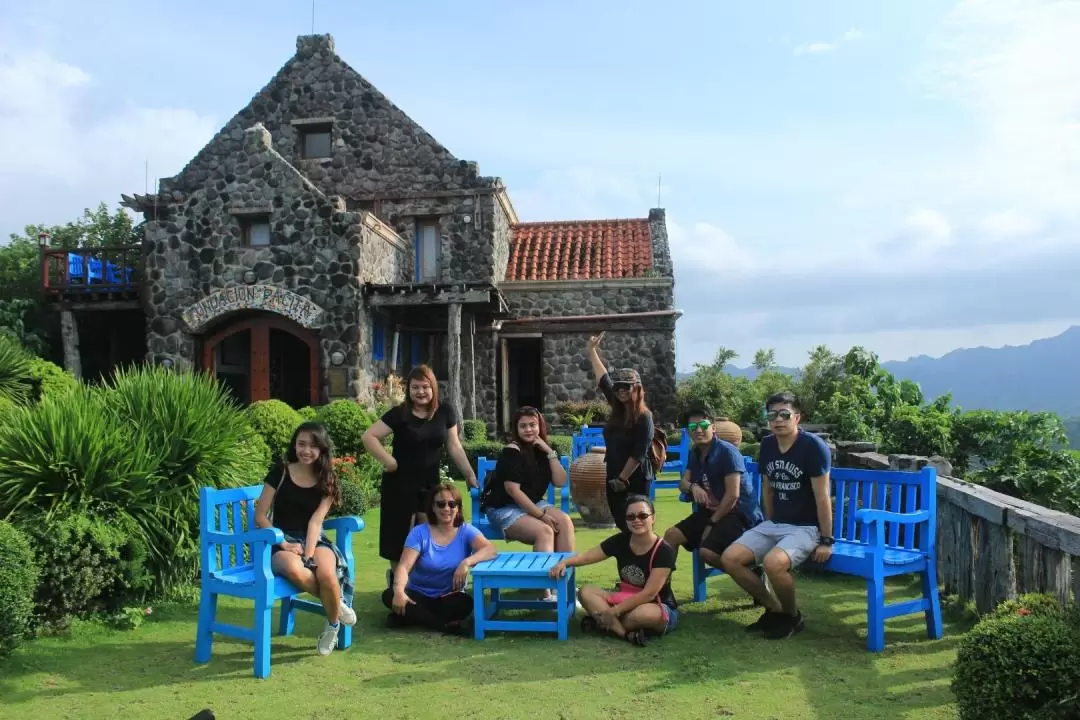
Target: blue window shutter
[{"x": 378, "y": 343}]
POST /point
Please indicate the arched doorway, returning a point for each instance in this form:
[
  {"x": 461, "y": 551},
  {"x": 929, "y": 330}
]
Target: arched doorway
[{"x": 263, "y": 357}]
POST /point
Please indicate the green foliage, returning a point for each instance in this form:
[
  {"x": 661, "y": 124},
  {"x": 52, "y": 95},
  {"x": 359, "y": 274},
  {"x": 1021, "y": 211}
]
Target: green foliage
[
  {"x": 1017, "y": 665},
  {"x": 20, "y": 319},
  {"x": 275, "y": 422},
  {"x": 89, "y": 566},
  {"x": 474, "y": 431},
  {"x": 18, "y": 581},
  {"x": 574, "y": 414},
  {"x": 253, "y": 445},
  {"x": 14, "y": 371},
  {"x": 128, "y": 618},
  {"x": 750, "y": 450},
  {"x": 308, "y": 413},
  {"x": 561, "y": 444},
  {"x": 361, "y": 482},
  {"x": 48, "y": 379},
  {"x": 1030, "y": 604},
  {"x": 346, "y": 421},
  {"x": 485, "y": 448},
  {"x": 925, "y": 430}
]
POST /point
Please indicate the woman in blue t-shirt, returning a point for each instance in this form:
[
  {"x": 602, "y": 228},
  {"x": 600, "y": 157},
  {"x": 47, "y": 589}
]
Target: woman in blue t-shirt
[{"x": 430, "y": 577}]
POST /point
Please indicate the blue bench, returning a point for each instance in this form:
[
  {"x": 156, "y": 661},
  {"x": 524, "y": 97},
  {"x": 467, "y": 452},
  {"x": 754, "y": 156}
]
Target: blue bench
[
  {"x": 234, "y": 559},
  {"x": 885, "y": 524},
  {"x": 479, "y": 519}
]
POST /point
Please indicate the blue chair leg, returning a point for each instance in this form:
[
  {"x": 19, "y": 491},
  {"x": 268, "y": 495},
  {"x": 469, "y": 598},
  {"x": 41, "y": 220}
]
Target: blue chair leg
[
  {"x": 930, "y": 594},
  {"x": 204, "y": 635},
  {"x": 563, "y": 594},
  {"x": 479, "y": 611},
  {"x": 344, "y": 638},
  {"x": 699, "y": 577},
  {"x": 263, "y": 619},
  {"x": 875, "y": 613},
  {"x": 287, "y": 620}
]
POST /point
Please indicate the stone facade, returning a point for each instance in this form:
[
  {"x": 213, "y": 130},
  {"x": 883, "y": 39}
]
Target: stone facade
[{"x": 344, "y": 221}]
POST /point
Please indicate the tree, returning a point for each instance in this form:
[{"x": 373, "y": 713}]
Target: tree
[{"x": 765, "y": 360}]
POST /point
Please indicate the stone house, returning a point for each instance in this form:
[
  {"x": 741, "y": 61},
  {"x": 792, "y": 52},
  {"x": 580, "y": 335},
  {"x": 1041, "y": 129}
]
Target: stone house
[{"x": 322, "y": 239}]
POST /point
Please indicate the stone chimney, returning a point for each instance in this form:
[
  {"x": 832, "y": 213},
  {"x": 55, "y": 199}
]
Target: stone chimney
[
  {"x": 310, "y": 45},
  {"x": 660, "y": 248},
  {"x": 256, "y": 139}
]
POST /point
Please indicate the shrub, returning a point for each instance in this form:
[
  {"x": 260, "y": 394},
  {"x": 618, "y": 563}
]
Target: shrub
[
  {"x": 490, "y": 449},
  {"x": 1019, "y": 666},
  {"x": 575, "y": 413},
  {"x": 1030, "y": 604},
  {"x": 360, "y": 484},
  {"x": 750, "y": 450},
  {"x": 308, "y": 413},
  {"x": 18, "y": 581},
  {"x": 253, "y": 444},
  {"x": 89, "y": 566},
  {"x": 196, "y": 432},
  {"x": 49, "y": 379},
  {"x": 14, "y": 371},
  {"x": 275, "y": 421},
  {"x": 474, "y": 431},
  {"x": 561, "y": 444},
  {"x": 346, "y": 421}
]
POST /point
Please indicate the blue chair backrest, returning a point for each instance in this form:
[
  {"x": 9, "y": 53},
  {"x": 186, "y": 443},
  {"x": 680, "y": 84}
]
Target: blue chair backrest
[
  {"x": 222, "y": 515},
  {"x": 75, "y": 265},
  {"x": 483, "y": 467},
  {"x": 585, "y": 440},
  {"x": 891, "y": 490}
]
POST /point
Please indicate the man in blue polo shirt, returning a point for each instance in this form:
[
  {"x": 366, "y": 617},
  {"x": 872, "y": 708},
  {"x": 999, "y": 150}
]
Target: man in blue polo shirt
[
  {"x": 795, "y": 466},
  {"x": 716, "y": 478}
]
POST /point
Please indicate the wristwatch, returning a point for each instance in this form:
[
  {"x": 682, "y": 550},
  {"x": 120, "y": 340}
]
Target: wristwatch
[{"x": 826, "y": 540}]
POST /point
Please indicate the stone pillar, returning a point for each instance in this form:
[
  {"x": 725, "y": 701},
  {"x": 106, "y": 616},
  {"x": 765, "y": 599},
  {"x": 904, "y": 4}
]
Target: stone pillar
[
  {"x": 453, "y": 352},
  {"x": 69, "y": 335},
  {"x": 469, "y": 343}
]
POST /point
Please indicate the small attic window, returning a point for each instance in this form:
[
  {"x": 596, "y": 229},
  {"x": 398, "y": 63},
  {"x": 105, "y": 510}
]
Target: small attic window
[
  {"x": 315, "y": 141},
  {"x": 256, "y": 230}
]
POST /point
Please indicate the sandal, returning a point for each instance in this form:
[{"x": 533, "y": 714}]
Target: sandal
[
  {"x": 589, "y": 624},
  {"x": 637, "y": 637}
]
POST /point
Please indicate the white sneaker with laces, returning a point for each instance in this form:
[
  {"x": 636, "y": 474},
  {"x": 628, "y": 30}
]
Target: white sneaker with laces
[
  {"x": 328, "y": 640},
  {"x": 348, "y": 615}
]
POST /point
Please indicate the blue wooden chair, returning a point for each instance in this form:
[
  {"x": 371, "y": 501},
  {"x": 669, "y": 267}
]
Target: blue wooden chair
[
  {"x": 479, "y": 519},
  {"x": 678, "y": 455},
  {"x": 235, "y": 561},
  {"x": 95, "y": 269},
  {"x": 76, "y": 269},
  {"x": 701, "y": 571}
]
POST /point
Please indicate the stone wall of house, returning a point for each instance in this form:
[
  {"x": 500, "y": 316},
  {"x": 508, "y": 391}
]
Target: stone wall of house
[
  {"x": 378, "y": 150},
  {"x": 645, "y": 343},
  {"x": 318, "y": 250},
  {"x": 500, "y": 241}
]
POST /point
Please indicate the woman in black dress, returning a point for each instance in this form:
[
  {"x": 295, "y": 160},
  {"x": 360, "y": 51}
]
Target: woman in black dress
[
  {"x": 421, "y": 426},
  {"x": 627, "y": 434}
]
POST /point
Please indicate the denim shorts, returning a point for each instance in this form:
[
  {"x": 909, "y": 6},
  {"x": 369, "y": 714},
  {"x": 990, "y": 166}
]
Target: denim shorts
[
  {"x": 505, "y": 516},
  {"x": 798, "y": 541}
]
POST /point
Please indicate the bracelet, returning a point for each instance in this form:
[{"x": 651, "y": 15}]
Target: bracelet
[{"x": 553, "y": 455}]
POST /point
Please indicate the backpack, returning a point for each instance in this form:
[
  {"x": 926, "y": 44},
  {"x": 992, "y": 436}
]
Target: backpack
[{"x": 658, "y": 451}]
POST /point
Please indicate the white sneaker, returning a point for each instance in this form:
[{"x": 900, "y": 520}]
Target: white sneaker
[
  {"x": 348, "y": 615},
  {"x": 328, "y": 640}
]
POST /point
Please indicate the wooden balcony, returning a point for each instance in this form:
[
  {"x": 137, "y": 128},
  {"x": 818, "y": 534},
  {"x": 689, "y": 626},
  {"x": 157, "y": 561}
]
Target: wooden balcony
[{"x": 92, "y": 275}]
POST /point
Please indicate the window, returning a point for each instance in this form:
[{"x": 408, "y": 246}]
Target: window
[
  {"x": 378, "y": 342},
  {"x": 315, "y": 142},
  {"x": 427, "y": 252},
  {"x": 256, "y": 231}
]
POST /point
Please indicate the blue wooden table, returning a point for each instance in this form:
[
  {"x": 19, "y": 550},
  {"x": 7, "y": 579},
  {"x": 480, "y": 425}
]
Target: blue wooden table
[{"x": 522, "y": 571}]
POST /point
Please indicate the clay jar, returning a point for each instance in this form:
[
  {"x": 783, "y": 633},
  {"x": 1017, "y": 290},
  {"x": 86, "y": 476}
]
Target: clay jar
[
  {"x": 588, "y": 487},
  {"x": 724, "y": 429}
]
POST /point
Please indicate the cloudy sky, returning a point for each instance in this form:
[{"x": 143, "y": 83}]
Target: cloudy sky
[{"x": 901, "y": 174}]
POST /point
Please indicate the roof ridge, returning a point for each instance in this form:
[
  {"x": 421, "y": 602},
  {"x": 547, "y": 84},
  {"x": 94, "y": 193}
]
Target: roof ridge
[{"x": 580, "y": 222}]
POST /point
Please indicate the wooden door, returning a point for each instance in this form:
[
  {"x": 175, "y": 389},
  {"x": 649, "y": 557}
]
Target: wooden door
[{"x": 260, "y": 363}]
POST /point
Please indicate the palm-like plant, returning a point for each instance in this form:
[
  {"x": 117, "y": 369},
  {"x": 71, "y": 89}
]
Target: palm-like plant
[{"x": 14, "y": 371}]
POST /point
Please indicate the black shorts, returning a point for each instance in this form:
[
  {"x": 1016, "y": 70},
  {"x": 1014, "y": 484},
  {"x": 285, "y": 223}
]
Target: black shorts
[{"x": 725, "y": 531}]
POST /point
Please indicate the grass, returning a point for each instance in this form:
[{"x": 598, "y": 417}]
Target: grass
[{"x": 708, "y": 668}]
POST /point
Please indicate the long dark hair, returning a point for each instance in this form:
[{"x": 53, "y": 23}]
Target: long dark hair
[
  {"x": 621, "y": 417},
  {"x": 527, "y": 411},
  {"x": 325, "y": 476}
]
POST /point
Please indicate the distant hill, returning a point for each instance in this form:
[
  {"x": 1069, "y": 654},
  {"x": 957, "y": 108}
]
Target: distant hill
[{"x": 1044, "y": 375}]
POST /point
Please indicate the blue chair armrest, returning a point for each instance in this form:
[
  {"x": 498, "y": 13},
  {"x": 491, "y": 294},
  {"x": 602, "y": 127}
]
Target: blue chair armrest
[
  {"x": 349, "y": 523},
  {"x": 267, "y": 536},
  {"x": 866, "y": 515}
]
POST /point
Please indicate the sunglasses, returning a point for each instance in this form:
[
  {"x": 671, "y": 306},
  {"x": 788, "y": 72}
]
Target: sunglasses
[
  {"x": 441, "y": 504},
  {"x": 782, "y": 414},
  {"x": 623, "y": 386},
  {"x": 701, "y": 425},
  {"x": 641, "y": 517}
]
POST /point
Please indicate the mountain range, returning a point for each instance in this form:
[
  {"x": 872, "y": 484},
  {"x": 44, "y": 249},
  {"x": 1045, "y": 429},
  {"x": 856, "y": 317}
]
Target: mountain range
[{"x": 1043, "y": 375}]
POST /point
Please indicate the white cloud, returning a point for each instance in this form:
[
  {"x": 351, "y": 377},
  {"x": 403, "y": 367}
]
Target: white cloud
[{"x": 67, "y": 143}]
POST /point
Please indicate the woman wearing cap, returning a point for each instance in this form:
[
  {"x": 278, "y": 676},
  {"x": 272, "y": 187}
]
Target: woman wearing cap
[{"x": 627, "y": 434}]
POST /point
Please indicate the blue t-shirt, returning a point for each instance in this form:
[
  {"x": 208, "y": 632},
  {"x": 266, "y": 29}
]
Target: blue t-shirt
[
  {"x": 433, "y": 573},
  {"x": 722, "y": 459},
  {"x": 789, "y": 476}
]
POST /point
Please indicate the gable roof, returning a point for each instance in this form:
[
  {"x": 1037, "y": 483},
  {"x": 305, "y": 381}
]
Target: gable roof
[{"x": 580, "y": 250}]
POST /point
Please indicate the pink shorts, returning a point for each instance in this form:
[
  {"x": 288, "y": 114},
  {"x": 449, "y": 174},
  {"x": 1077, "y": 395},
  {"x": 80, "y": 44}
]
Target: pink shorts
[{"x": 614, "y": 598}]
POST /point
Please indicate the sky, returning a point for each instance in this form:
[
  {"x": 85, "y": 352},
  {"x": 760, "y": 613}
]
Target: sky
[{"x": 899, "y": 174}]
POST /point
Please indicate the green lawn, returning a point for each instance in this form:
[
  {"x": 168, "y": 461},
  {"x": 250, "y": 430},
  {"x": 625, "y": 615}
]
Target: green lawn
[{"x": 708, "y": 668}]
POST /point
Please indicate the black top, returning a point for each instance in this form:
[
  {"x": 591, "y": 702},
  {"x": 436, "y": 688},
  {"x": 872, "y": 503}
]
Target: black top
[
  {"x": 418, "y": 444},
  {"x": 634, "y": 569},
  {"x": 529, "y": 468},
  {"x": 623, "y": 443},
  {"x": 789, "y": 475},
  {"x": 293, "y": 505}
]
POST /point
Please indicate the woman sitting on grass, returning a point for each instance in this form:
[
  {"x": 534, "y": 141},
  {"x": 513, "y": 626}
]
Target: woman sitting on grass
[
  {"x": 429, "y": 580},
  {"x": 644, "y": 602},
  {"x": 296, "y": 497}
]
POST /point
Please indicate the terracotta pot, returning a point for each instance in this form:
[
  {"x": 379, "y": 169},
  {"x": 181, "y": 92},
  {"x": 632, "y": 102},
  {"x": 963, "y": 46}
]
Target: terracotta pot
[
  {"x": 727, "y": 430},
  {"x": 588, "y": 487}
]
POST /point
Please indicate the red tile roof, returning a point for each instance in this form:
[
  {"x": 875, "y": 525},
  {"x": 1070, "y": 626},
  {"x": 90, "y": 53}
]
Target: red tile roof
[{"x": 579, "y": 250}]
